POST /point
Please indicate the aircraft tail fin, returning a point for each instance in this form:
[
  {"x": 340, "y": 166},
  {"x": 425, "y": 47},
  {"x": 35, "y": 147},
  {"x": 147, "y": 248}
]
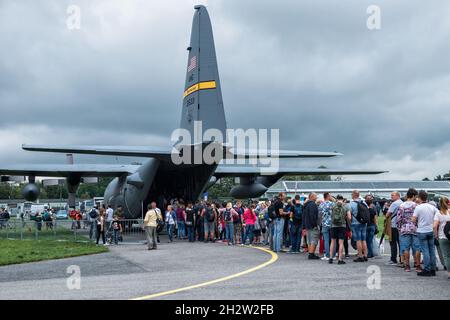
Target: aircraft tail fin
[{"x": 202, "y": 98}]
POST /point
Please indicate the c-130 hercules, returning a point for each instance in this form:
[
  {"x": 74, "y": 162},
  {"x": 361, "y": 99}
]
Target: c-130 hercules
[{"x": 136, "y": 185}]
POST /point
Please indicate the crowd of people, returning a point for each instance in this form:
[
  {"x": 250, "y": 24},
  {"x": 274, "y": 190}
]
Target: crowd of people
[{"x": 415, "y": 227}]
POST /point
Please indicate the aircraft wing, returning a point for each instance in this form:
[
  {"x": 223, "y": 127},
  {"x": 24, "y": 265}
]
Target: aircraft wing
[
  {"x": 247, "y": 171},
  {"x": 162, "y": 153},
  {"x": 63, "y": 171},
  {"x": 165, "y": 153}
]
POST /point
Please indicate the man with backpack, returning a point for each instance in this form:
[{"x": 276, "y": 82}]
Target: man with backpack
[
  {"x": 209, "y": 216},
  {"x": 339, "y": 216},
  {"x": 92, "y": 216},
  {"x": 295, "y": 223},
  {"x": 360, "y": 217}
]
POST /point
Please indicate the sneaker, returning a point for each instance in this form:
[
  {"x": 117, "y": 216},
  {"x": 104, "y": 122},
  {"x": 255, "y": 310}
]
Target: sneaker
[
  {"x": 424, "y": 273},
  {"x": 325, "y": 258},
  {"x": 341, "y": 262},
  {"x": 330, "y": 261},
  {"x": 391, "y": 263},
  {"x": 313, "y": 257},
  {"x": 433, "y": 273},
  {"x": 365, "y": 259},
  {"x": 359, "y": 259},
  {"x": 347, "y": 255},
  {"x": 400, "y": 265}
]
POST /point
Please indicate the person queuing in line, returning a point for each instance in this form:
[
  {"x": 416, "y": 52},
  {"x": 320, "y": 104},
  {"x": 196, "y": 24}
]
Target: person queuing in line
[
  {"x": 325, "y": 219},
  {"x": 359, "y": 228},
  {"x": 442, "y": 218},
  {"x": 170, "y": 219},
  {"x": 371, "y": 225},
  {"x": 408, "y": 231},
  {"x": 340, "y": 214},
  {"x": 209, "y": 217},
  {"x": 116, "y": 229},
  {"x": 181, "y": 227},
  {"x": 189, "y": 213},
  {"x": 150, "y": 224},
  {"x": 288, "y": 207},
  {"x": 262, "y": 218},
  {"x": 394, "y": 239},
  {"x": 199, "y": 221},
  {"x": 92, "y": 217},
  {"x": 278, "y": 221},
  {"x": 295, "y": 223},
  {"x": 249, "y": 224},
  {"x": 424, "y": 218},
  {"x": 238, "y": 221},
  {"x": 228, "y": 214},
  {"x": 311, "y": 225},
  {"x": 100, "y": 225},
  {"x": 257, "y": 231}
]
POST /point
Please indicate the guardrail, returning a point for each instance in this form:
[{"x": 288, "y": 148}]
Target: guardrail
[{"x": 67, "y": 230}]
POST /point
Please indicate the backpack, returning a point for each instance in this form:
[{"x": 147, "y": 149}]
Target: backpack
[
  {"x": 447, "y": 230},
  {"x": 363, "y": 215},
  {"x": 46, "y": 216},
  {"x": 228, "y": 216},
  {"x": 298, "y": 211},
  {"x": 338, "y": 214},
  {"x": 93, "y": 214},
  {"x": 271, "y": 211},
  {"x": 210, "y": 215}
]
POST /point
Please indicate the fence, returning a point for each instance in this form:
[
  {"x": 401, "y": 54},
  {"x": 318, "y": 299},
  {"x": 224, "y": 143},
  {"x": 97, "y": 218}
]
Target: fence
[{"x": 67, "y": 230}]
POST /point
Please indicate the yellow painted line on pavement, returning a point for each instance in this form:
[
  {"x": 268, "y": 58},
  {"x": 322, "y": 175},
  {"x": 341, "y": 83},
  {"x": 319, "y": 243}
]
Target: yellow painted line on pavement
[{"x": 273, "y": 258}]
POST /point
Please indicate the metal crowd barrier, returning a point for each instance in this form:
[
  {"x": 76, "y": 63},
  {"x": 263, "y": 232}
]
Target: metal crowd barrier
[{"x": 67, "y": 229}]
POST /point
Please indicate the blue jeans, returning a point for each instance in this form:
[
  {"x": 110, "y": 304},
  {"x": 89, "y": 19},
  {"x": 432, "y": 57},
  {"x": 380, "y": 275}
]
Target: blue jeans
[
  {"x": 296, "y": 236},
  {"x": 116, "y": 233},
  {"x": 93, "y": 230},
  {"x": 370, "y": 234},
  {"x": 181, "y": 233},
  {"x": 326, "y": 240},
  {"x": 427, "y": 245},
  {"x": 190, "y": 233},
  {"x": 229, "y": 232},
  {"x": 359, "y": 232},
  {"x": 278, "y": 225},
  {"x": 249, "y": 233},
  {"x": 170, "y": 231}
]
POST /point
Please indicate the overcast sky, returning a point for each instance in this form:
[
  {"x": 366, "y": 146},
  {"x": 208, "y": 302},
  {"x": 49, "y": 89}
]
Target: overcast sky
[{"x": 311, "y": 68}]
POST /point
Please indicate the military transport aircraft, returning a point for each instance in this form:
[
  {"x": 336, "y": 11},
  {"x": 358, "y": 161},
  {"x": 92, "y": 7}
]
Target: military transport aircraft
[{"x": 136, "y": 185}]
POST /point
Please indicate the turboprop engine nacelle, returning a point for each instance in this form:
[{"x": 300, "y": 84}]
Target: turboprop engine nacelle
[{"x": 31, "y": 192}]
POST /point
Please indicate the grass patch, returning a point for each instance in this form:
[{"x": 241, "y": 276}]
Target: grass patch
[{"x": 22, "y": 251}]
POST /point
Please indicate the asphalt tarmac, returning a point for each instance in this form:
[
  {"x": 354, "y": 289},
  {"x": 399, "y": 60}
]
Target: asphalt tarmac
[{"x": 129, "y": 271}]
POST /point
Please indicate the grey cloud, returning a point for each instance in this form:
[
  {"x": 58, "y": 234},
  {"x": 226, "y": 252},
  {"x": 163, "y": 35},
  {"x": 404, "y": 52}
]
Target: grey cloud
[{"x": 310, "y": 68}]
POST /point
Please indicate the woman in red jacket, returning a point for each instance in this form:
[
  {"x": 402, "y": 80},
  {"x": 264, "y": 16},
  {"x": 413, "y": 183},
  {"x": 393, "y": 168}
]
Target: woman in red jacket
[{"x": 249, "y": 224}]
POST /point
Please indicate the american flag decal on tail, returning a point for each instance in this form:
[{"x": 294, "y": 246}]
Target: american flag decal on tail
[{"x": 192, "y": 64}]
